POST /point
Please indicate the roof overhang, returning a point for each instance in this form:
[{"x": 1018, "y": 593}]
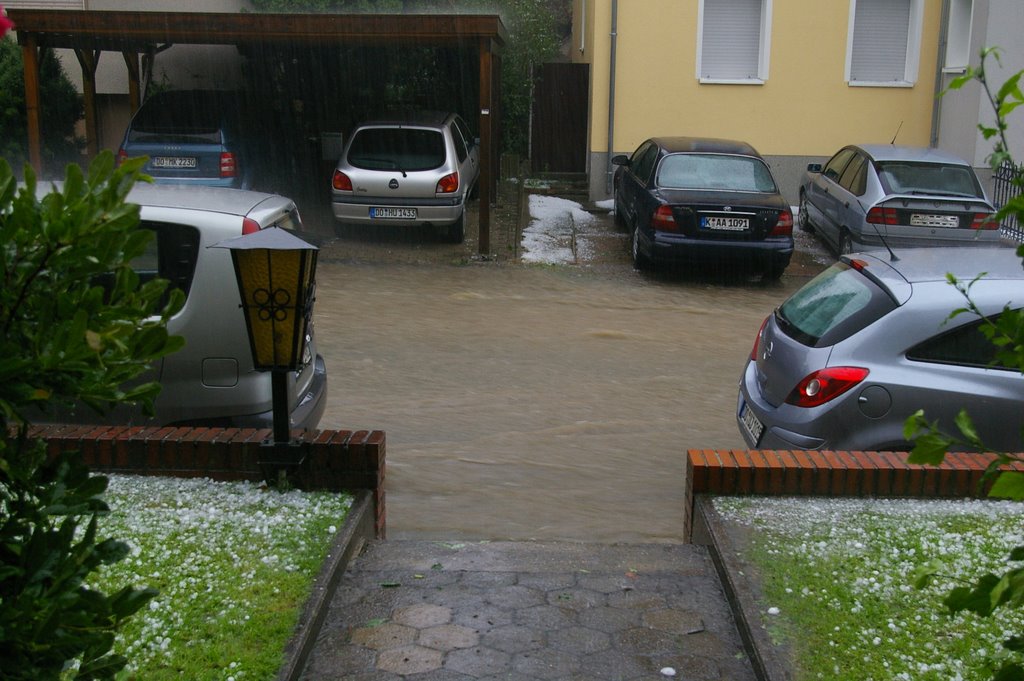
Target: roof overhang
[{"x": 139, "y": 31}]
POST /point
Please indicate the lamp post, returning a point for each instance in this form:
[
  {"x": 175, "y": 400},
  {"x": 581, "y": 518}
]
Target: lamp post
[{"x": 276, "y": 274}]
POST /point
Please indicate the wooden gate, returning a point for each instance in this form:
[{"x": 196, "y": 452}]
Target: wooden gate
[{"x": 558, "y": 133}]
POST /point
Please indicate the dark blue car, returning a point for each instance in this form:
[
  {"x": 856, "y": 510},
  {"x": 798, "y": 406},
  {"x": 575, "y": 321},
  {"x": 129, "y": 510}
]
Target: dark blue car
[{"x": 702, "y": 200}]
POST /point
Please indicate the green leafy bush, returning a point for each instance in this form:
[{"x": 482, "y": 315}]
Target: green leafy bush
[
  {"x": 63, "y": 108},
  {"x": 75, "y": 324},
  {"x": 991, "y": 591}
]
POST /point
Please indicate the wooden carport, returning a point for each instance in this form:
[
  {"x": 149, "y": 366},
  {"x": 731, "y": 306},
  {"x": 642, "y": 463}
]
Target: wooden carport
[{"x": 137, "y": 34}]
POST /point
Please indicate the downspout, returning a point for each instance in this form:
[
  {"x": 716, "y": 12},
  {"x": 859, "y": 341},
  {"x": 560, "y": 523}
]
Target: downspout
[
  {"x": 939, "y": 65},
  {"x": 611, "y": 98}
]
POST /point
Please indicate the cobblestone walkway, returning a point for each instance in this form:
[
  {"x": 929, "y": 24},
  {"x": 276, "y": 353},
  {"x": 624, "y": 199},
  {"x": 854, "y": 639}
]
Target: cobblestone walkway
[{"x": 435, "y": 611}]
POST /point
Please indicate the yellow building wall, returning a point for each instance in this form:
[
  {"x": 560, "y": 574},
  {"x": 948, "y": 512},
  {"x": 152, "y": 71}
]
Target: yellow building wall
[{"x": 804, "y": 108}]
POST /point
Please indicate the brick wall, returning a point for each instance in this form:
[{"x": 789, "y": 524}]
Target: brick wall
[
  {"x": 830, "y": 474},
  {"x": 334, "y": 460}
]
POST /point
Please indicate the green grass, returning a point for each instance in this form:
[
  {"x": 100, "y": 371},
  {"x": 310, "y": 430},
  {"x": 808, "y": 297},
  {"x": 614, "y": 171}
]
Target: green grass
[
  {"x": 838, "y": 583},
  {"x": 234, "y": 564}
]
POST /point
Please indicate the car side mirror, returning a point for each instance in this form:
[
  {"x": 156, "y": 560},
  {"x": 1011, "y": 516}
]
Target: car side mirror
[
  {"x": 814, "y": 167},
  {"x": 620, "y": 160}
]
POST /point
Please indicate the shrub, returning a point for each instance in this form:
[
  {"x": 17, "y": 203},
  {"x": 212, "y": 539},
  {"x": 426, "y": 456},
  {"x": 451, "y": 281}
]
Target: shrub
[{"x": 75, "y": 324}]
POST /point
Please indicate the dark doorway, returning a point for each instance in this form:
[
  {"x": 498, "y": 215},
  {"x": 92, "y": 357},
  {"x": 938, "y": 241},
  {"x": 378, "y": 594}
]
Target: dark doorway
[{"x": 559, "y": 127}]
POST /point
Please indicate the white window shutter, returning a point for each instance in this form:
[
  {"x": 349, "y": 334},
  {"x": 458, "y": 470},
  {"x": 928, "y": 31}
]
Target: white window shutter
[
  {"x": 731, "y": 41},
  {"x": 881, "y": 32}
]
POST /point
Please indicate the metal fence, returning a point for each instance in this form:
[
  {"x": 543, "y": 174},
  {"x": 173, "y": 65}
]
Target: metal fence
[{"x": 1008, "y": 182}]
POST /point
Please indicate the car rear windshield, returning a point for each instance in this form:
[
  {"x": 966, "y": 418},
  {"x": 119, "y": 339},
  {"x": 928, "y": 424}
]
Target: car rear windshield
[
  {"x": 715, "y": 171},
  {"x": 901, "y": 177},
  {"x": 191, "y": 115},
  {"x": 397, "y": 149},
  {"x": 833, "y": 306}
]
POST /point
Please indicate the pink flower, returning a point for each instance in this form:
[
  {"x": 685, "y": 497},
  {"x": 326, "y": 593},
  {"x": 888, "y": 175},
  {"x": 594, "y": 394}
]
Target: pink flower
[{"x": 5, "y": 23}]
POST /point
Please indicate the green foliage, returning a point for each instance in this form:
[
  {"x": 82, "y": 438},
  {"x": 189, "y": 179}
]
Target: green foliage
[
  {"x": 87, "y": 342},
  {"x": 63, "y": 108},
  {"x": 1006, "y": 332},
  {"x": 48, "y": 616},
  {"x": 75, "y": 324}
]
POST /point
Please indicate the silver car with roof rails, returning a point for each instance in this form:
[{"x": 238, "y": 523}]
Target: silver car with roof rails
[
  {"x": 870, "y": 195},
  {"x": 846, "y": 359},
  {"x": 211, "y": 381}
]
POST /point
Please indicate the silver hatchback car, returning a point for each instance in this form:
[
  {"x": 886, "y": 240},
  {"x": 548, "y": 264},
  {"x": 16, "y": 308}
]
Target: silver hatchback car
[
  {"x": 414, "y": 170},
  {"x": 211, "y": 381},
  {"x": 870, "y": 195},
  {"x": 846, "y": 359}
]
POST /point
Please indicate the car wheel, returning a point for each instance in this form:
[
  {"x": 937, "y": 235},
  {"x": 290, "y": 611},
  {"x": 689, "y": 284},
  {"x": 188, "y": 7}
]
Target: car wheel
[
  {"x": 804, "y": 218},
  {"x": 456, "y": 232},
  {"x": 640, "y": 261},
  {"x": 620, "y": 221},
  {"x": 845, "y": 243}
]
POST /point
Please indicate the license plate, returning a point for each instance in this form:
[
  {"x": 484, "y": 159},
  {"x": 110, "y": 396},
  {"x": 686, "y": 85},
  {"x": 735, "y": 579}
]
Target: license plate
[
  {"x": 388, "y": 213},
  {"x": 174, "y": 162},
  {"x": 726, "y": 223},
  {"x": 751, "y": 423},
  {"x": 924, "y": 220}
]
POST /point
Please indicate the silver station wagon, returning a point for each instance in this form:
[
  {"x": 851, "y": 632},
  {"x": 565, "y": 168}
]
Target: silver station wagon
[
  {"x": 415, "y": 170},
  {"x": 211, "y": 381},
  {"x": 873, "y": 195}
]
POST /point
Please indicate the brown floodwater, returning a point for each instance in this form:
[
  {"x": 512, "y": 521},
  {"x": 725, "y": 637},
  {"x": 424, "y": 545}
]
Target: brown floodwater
[{"x": 524, "y": 402}]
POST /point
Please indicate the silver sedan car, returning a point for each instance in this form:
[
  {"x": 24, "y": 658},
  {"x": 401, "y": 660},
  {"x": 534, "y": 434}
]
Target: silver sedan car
[
  {"x": 846, "y": 359},
  {"x": 410, "y": 171},
  {"x": 873, "y": 195}
]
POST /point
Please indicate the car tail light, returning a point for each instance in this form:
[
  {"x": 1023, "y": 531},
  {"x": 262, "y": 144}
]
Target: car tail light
[
  {"x": 249, "y": 226},
  {"x": 663, "y": 220},
  {"x": 122, "y": 156},
  {"x": 824, "y": 385},
  {"x": 784, "y": 227},
  {"x": 228, "y": 164},
  {"x": 882, "y": 216},
  {"x": 448, "y": 184},
  {"x": 341, "y": 181},
  {"x": 984, "y": 221},
  {"x": 757, "y": 340}
]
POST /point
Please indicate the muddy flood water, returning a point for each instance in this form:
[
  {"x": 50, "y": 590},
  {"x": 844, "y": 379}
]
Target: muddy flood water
[{"x": 536, "y": 402}]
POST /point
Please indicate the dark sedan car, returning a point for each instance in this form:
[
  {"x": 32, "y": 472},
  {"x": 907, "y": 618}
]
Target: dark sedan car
[
  {"x": 703, "y": 200},
  {"x": 876, "y": 195}
]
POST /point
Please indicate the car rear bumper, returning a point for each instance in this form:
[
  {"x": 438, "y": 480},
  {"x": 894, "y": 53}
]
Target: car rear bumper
[
  {"x": 979, "y": 239},
  {"x": 307, "y": 413},
  {"x": 754, "y": 421},
  {"x": 433, "y": 212},
  {"x": 228, "y": 182},
  {"x": 669, "y": 247}
]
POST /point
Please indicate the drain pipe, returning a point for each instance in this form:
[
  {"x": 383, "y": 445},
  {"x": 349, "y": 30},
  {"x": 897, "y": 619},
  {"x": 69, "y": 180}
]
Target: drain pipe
[
  {"x": 611, "y": 97},
  {"x": 939, "y": 64}
]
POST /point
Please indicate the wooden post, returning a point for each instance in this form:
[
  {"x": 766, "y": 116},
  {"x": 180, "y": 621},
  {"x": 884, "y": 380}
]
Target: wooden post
[
  {"x": 486, "y": 147},
  {"x": 131, "y": 61},
  {"x": 30, "y": 57},
  {"x": 88, "y": 61}
]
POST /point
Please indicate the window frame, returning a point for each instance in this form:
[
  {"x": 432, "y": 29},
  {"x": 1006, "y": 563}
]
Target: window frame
[
  {"x": 959, "y": 27},
  {"x": 764, "y": 49},
  {"x": 912, "y": 57}
]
